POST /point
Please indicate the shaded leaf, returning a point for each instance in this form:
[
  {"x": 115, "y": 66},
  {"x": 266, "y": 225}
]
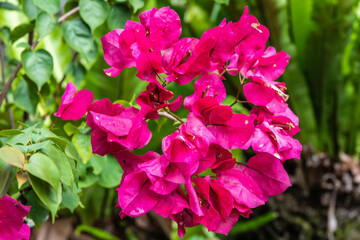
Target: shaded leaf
[
  {"x": 38, "y": 65},
  {"x": 111, "y": 174},
  {"x": 30, "y": 9},
  {"x": 136, "y": 4},
  {"x": 93, "y": 12},
  {"x": 8, "y": 6},
  {"x": 70, "y": 198},
  {"x": 118, "y": 15},
  {"x": 5, "y": 176},
  {"x": 26, "y": 97},
  {"x": 37, "y": 212},
  {"x": 50, "y": 6},
  {"x": 20, "y": 31},
  {"x": 77, "y": 35},
  {"x": 47, "y": 194},
  {"x": 45, "y": 24}
]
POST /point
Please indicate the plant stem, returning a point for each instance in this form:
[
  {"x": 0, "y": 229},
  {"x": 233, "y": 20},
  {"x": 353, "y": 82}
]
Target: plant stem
[
  {"x": 10, "y": 112},
  {"x": 173, "y": 116},
  {"x": 68, "y": 14}
]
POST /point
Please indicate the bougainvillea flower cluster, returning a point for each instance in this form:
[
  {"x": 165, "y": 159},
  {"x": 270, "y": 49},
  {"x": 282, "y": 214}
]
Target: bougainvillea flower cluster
[
  {"x": 12, "y": 214},
  {"x": 196, "y": 180}
]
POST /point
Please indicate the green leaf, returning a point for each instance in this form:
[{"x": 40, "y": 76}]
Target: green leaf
[
  {"x": 20, "y": 31},
  {"x": 95, "y": 232},
  {"x": 252, "y": 224},
  {"x": 44, "y": 168},
  {"x": 93, "y": 12},
  {"x": 38, "y": 65},
  {"x": 50, "y": 6},
  {"x": 8, "y": 6},
  {"x": 226, "y": 2},
  {"x": 83, "y": 145},
  {"x": 5, "y": 176},
  {"x": 302, "y": 24},
  {"x": 111, "y": 174},
  {"x": 30, "y": 10},
  {"x": 37, "y": 212},
  {"x": 119, "y": 14},
  {"x": 23, "y": 45},
  {"x": 26, "y": 97},
  {"x": 62, "y": 163},
  {"x": 78, "y": 36},
  {"x": 45, "y": 24},
  {"x": 70, "y": 128},
  {"x": 47, "y": 194},
  {"x": 36, "y": 146},
  {"x": 12, "y": 156},
  {"x": 9, "y": 133},
  {"x": 70, "y": 198},
  {"x": 136, "y": 4}
]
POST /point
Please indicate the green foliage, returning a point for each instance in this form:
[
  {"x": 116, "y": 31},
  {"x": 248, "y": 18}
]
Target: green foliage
[
  {"x": 93, "y": 12},
  {"x": 50, "y": 6},
  {"x": 38, "y": 66},
  {"x": 45, "y": 24}
]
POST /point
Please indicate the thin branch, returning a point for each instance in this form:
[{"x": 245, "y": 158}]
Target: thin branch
[
  {"x": 2, "y": 59},
  {"x": 174, "y": 116},
  {"x": 68, "y": 14}
]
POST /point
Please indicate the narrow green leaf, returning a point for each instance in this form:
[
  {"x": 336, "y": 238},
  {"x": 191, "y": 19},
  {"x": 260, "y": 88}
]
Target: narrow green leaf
[
  {"x": 9, "y": 6},
  {"x": 252, "y": 224},
  {"x": 26, "y": 97},
  {"x": 61, "y": 161},
  {"x": 226, "y": 2},
  {"x": 36, "y": 146},
  {"x": 95, "y": 232},
  {"x": 45, "y": 24},
  {"x": 38, "y": 65},
  {"x": 47, "y": 194},
  {"x": 44, "y": 168},
  {"x": 301, "y": 20},
  {"x": 118, "y": 15},
  {"x": 9, "y": 133},
  {"x": 20, "y": 31},
  {"x": 5, "y": 176},
  {"x": 136, "y": 4},
  {"x": 12, "y": 156},
  {"x": 50, "y": 6},
  {"x": 83, "y": 145},
  {"x": 93, "y": 12}
]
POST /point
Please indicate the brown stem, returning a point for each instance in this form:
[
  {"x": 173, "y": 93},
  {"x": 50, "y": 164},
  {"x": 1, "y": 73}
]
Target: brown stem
[
  {"x": 53, "y": 124},
  {"x": 174, "y": 116},
  {"x": 68, "y": 14},
  {"x": 10, "y": 112}
]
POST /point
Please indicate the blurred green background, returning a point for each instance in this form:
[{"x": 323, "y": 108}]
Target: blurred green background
[{"x": 323, "y": 80}]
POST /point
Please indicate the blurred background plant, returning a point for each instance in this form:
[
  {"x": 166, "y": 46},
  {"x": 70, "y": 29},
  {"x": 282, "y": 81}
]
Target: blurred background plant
[{"x": 45, "y": 44}]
